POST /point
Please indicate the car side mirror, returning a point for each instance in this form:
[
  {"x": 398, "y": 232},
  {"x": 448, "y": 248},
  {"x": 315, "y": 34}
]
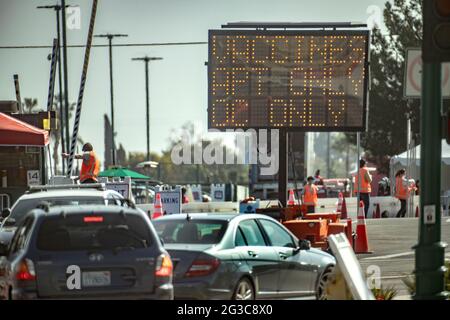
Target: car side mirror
[
  {"x": 3, "y": 249},
  {"x": 5, "y": 213},
  {"x": 304, "y": 245}
]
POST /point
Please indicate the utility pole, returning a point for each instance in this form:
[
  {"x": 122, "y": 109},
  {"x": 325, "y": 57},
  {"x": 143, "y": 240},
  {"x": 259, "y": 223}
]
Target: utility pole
[
  {"x": 110, "y": 38},
  {"x": 147, "y": 59},
  {"x": 63, "y": 124}
]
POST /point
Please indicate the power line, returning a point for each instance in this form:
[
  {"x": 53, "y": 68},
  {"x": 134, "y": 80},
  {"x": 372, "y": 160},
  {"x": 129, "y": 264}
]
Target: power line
[{"x": 105, "y": 45}]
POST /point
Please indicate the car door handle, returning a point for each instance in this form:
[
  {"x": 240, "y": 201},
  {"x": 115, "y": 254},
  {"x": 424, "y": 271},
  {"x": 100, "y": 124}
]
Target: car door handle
[
  {"x": 252, "y": 254},
  {"x": 282, "y": 255}
]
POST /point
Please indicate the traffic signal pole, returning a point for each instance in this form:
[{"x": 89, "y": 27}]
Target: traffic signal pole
[{"x": 429, "y": 264}]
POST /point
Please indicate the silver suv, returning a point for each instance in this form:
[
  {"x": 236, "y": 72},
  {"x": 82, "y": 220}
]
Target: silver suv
[{"x": 74, "y": 195}]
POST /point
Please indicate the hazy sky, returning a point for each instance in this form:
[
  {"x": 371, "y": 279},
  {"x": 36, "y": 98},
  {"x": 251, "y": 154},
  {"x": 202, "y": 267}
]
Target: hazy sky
[{"x": 178, "y": 84}]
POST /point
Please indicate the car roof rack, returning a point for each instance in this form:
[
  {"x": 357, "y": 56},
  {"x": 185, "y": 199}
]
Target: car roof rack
[{"x": 38, "y": 188}]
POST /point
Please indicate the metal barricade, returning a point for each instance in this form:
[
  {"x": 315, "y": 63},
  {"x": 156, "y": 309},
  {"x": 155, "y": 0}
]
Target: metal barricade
[
  {"x": 5, "y": 201},
  {"x": 445, "y": 203}
]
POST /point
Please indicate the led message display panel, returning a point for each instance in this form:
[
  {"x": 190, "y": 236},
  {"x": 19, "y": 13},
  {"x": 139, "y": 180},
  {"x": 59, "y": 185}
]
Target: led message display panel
[{"x": 298, "y": 80}]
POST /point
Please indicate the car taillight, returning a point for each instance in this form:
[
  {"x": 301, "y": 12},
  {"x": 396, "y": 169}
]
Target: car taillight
[
  {"x": 93, "y": 219},
  {"x": 164, "y": 266},
  {"x": 26, "y": 271},
  {"x": 202, "y": 267}
]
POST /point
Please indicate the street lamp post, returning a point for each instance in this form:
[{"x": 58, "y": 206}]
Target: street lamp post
[
  {"x": 110, "y": 38},
  {"x": 147, "y": 60},
  {"x": 65, "y": 74}
]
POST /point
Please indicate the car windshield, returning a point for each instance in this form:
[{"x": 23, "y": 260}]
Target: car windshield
[
  {"x": 93, "y": 232},
  {"x": 192, "y": 231},
  {"x": 22, "y": 207}
]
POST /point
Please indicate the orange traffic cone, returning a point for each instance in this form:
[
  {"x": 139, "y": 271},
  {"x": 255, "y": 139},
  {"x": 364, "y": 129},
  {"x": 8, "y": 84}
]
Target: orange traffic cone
[
  {"x": 349, "y": 231},
  {"x": 343, "y": 209},
  {"x": 339, "y": 205},
  {"x": 362, "y": 242},
  {"x": 157, "y": 212},
  {"x": 417, "y": 211},
  {"x": 291, "y": 201}
]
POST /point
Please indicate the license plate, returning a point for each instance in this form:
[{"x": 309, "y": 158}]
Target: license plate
[{"x": 96, "y": 279}]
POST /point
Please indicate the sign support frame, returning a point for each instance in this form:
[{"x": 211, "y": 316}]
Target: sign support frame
[{"x": 283, "y": 175}]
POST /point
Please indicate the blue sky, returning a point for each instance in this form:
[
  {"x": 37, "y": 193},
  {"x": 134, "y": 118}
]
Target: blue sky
[{"x": 178, "y": 84}]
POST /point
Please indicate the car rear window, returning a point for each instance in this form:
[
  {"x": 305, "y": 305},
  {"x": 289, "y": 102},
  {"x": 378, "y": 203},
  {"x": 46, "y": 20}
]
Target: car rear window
[
  {"x": 22, "y": 207},
  {"x": 93, "y": 232},
  {"x": 192, "y": 231}
]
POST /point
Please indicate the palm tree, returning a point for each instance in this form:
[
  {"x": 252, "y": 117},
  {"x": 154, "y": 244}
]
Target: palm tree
[
  {"x": 56, "y": 133},
  {"x": 30, "y": 104}
]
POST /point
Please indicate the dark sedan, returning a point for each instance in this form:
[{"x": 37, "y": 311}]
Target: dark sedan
[{"x": 247, "y": 256}]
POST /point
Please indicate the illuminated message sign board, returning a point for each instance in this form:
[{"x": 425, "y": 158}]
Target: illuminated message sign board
[{"x": 305, "y": 80}]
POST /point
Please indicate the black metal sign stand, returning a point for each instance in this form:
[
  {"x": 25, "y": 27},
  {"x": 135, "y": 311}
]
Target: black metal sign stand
[{"x": 283, "y": 158}]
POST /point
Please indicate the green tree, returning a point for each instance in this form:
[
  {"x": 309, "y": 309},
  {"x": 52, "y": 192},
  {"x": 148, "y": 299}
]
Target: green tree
[
  {"x": 346, "y": 150},
  {"x": 56, "y": 133},
  {"x": 388, "y": 109},
  {"x": 189, "y": 173}
]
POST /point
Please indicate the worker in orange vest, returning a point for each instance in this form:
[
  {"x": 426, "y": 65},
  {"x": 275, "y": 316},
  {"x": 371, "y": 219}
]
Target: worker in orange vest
[
  {"x": 90, "y": 166},
  {"x": 402, "y": 191},
  {"x": 184, "y": 197},
  {"x": 310, "y": 195},
  {"x": 363, "y": 188}
]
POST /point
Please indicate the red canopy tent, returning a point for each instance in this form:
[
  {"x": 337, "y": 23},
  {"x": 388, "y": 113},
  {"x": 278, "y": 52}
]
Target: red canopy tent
[{"x": 14, "y": 132}]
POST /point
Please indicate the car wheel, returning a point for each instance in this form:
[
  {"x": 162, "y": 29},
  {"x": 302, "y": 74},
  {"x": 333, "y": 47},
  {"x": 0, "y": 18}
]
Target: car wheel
[
  {"x": 244, "y": 290},
  {"x": 322, "y": 283}
]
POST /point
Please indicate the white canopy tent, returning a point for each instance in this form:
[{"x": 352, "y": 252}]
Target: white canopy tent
[{"x": 401, "y": 161}]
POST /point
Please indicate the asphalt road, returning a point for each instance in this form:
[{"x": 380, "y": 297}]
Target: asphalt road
[{"x": 391, "y": 241}]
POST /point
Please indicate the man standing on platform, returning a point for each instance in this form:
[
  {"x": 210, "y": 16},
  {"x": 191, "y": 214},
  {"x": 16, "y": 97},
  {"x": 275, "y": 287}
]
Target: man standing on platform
[
  {"x": 310, "y": 195},
  {"x": 90, "y": 166}
]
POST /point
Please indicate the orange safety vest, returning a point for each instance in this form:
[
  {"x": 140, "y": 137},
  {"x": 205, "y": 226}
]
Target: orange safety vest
[
  {"x": 365, "y": 186},
  {"x": 401, "y": 192},
  {"x": 310, "y": 196},
  {"x": 90, "y": 169}
]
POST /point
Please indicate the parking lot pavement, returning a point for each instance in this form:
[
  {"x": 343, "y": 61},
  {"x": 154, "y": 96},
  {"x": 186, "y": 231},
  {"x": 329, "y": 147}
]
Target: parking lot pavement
[{"x": 391, "y": 241}]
